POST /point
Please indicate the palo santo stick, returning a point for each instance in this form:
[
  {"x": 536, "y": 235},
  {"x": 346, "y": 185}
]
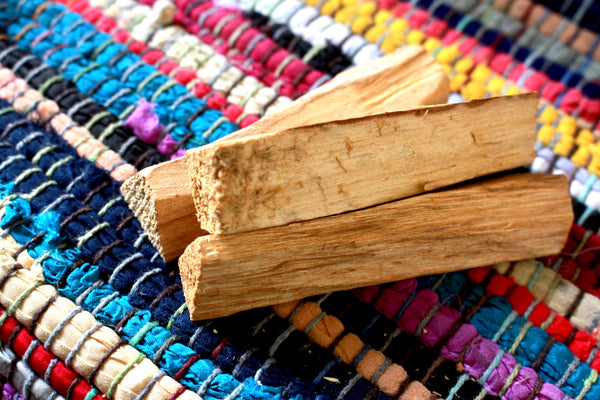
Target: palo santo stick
[
  {"x": 320, "y": 170},
  {"x": 405, "y": 79},
  {"x": 161, "y": 196},
  {"x": 503, "y": 219}
]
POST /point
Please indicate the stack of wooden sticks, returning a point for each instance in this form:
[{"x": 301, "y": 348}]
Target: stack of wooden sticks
[{"x": 362, "y": 181}]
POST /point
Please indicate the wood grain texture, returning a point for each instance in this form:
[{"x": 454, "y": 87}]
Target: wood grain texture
[
  {"x": 164, "y": 215},
  {"x": 407, "y": 78},
  {"x": 161, "y": 198},
  {"x": 320, "y": 170},
  {"x": 503, "y": 219}
]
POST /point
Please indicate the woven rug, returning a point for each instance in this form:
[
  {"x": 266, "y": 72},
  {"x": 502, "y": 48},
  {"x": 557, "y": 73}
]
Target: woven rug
[{"x": 92, "y": 91}]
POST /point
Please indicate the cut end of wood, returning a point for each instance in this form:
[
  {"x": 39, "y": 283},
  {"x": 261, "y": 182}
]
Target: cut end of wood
[
  {"x": 502, "y": 219},
  {"x": 139, "y": 195},
  {"x": 190, "y": 273},
  {"x": 160, "y": 198},
  {"x": 202, "y": 169}
]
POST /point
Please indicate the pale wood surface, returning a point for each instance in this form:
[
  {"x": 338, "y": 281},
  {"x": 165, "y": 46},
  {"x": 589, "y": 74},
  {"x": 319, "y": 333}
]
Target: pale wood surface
[
  {"x": 503, "y": 219},
  {"x": 161, "y": 198},
  {"x": 320, "y": 170},
  {"x": 401, "y": 80}
]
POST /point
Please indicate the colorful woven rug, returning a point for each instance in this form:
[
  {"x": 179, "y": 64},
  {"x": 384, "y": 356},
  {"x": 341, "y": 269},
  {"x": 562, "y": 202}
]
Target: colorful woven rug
[{"x": 93, "y": 90}]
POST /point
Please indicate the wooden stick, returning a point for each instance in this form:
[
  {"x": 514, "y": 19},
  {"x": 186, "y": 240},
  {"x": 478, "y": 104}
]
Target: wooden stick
[
  {"x": 327, "y": 169},
  {"x": 161, "y": 196},
  {"x": 503, "y": 219},
  {"x": 401, "y": 80}
]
